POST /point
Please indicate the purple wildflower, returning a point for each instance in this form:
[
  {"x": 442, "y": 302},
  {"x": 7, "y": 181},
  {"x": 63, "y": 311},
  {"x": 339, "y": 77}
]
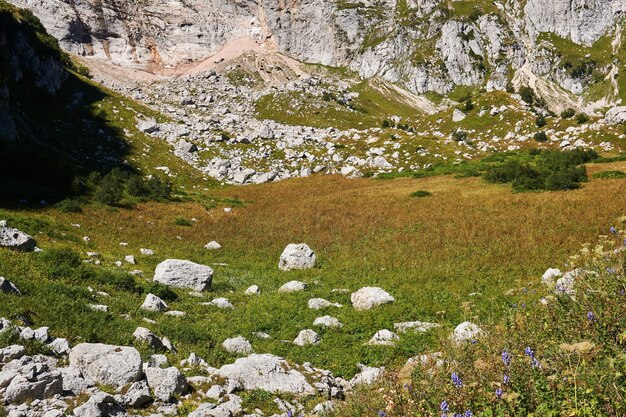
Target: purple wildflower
[
  {"x": 506, "y": 379},
  {"x": 444, "y": 406},
  {"x": 529, "y": 352},
  {"x": 591, "y": 316},
  {"x": 468, "y": 413},
  {"x": 289, "y": 413},
  {"x": 456, "y": 380},
  {"x": 499, "y": 392},
  {"x": 506, "y": 358},
  {"x": 613, "y": 230},
  {"x": 382, "y": 414},
  {"x": 535, "y": 363}
]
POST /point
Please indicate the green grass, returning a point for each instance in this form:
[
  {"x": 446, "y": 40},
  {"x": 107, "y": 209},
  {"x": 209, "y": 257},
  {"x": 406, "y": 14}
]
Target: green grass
[
  {"x": 374, "y": 104},
  {"x": 610, "y": 175}
]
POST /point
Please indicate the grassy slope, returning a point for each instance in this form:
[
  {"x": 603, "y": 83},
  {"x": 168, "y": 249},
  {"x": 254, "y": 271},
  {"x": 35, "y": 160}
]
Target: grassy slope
[{"x": 431, "y": 254}]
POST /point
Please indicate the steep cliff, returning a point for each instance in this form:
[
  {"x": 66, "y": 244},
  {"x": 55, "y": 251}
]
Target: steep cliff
[{"x": 423, "y": 45}]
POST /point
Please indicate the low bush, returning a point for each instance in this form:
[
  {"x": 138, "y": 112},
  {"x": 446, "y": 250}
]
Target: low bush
[
  {"x": 551, "y": 170},
  {"x": 181, "y": 221},
  {"x": 582, "y": 118},
  {"x": 421, "y": 194},
  {"x": 163, "y": 292},
  {"x": 69, "y": 206},
  {"x": 609, "y": 175},
  {"x": 541, "y": 136},
  {"x": 540, "y": 121},
  {"x": 568, "y": 113}
]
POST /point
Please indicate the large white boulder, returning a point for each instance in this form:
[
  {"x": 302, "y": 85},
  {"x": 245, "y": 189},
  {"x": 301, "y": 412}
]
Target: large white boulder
[
  {"x": 616, "y": 115},
  {"x": 296, "y": 256},
  {"x": 8, "y": 287},
  {"x": 107, "y": 364},
  {"x": 184, "y": 274},
  {"x": 367, "y": 376},
  {"x": 268, "y": 373},
  {"x": 369, "y": 297},
  {"x": 14, "y": 239}
]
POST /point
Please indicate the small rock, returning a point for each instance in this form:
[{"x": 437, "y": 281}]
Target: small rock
[
  {"x": 296, "y": 256},
  {"x": 213, "y": 245},
  {"x": 293, "y": 286},
  {"x": 307, "y": 337},
  {"x": 153, "y": 303},
  {"x": 238, "y": 345}
]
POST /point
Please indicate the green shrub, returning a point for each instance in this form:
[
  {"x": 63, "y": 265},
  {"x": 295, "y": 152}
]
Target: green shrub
[
  {"x": 421, "y": 194},
  {"x": 582, "y": 118},
  {"x": 60, "y": 263},
  {"x": 459, "y": 135},
  {"x": 69, "y": 206},
  {"x": 181, "y": 221},
  {"x": 541, "y": 136},
  {"x": 158, "y": 188},
  {"x": 162, "y": 291},
  {"x": 568, "y": 113},
  {"x": 551, "y": 170},
  {"x": 540, "y": 121},
  {"x": 386, "y": 124},
  {"x": 111, "y": 188},
  {"x": 469, "y": 106},
  {"x": 528, "y": 95},
  {"x": 609, "y": 175}
]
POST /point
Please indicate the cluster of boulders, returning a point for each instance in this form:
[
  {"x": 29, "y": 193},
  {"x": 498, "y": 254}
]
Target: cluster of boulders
[{"x": 98, "y": 380}]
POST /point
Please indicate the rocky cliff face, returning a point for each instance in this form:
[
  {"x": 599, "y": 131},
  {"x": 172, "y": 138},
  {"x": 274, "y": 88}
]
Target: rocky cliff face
[
  {"x": 423, "y": 45},
  {"x": 27, "y": 54}
]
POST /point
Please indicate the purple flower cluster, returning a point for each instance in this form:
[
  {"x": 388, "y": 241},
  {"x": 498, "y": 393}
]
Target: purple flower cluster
[
  {"x": 456, "y": 380},
  {"x": 506, "y": 358}
]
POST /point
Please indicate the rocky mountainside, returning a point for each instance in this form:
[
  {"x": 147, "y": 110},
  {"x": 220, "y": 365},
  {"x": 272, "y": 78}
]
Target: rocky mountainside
[{"x": 568, "y": 50}]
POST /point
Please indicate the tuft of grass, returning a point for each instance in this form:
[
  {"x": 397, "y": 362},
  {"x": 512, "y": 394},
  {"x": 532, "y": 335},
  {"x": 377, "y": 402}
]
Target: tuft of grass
[
  {"x": 421, "y": 194},
  {"x": 181, "y": 221}
]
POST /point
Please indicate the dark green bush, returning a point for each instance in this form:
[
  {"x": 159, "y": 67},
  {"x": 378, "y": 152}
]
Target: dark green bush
[
  {"x": 111, "y": 188},
  {"x": 386, "y": 124},
  {"x": 469, "y": 106},
  {"x": 421, "y": 194},
  {"x": 163, "y": 292},
  {"x": 528, "y": 95},
  {"x": 540, "y": 121},
  {"x": 582, "y": 118},
  {"x": 181, "y": 221},
  {"x": 541, "y": 137},
  {"x": 568, "y": 113},
  {"x": 158, "y": 188},
  {"x": 459, "y": 135},
  {"x": 69, "y": 206},
  {"x": 544, "y": 170}
]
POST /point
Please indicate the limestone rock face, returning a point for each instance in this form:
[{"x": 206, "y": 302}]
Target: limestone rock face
[
  {"x": 437, "y": 52},
  {"x": 107, "y": 364}
]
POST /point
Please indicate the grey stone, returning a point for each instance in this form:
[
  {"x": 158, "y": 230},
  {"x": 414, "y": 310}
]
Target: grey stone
[{"x": 184, "y": 274}]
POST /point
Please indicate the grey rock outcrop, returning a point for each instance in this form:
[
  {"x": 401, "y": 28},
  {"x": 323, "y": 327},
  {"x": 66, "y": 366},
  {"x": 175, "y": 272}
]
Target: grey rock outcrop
[
  {"x": 106, "y": 364},
  {"x": 296, "y": 256},
  {"x": 15, "y": 239},
  {"x": 184, "y": 274},
  {"x": 369, "y": 297},
  {"x": 8, "y": 287},
  {"x": 267, "y": 372},
  {"x": 165, "y": 383}
]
